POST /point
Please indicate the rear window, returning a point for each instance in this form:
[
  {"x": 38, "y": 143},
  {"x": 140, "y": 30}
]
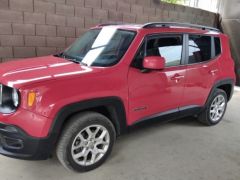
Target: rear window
[{"x": 199, "y": 48}]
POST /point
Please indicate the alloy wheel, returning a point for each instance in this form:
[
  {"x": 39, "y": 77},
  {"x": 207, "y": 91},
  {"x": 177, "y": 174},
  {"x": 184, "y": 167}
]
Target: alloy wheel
[
  {"x": 217, "y": 108},
  {"x": 90, "y": 145}
]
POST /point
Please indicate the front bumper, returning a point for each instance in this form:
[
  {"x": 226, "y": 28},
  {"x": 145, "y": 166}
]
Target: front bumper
[
  {"x": 15, "y": 143},
  {"x": 33, "y": 124}
]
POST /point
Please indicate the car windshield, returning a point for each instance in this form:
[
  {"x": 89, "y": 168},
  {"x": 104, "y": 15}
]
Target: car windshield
[{"x": 100, "y": 47}]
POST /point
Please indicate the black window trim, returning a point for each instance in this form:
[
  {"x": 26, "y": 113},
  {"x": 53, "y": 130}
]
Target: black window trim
[
  {"x": 213, "y": 53},
  {"x": 220, "y": 41},
  {"x": 143, "y": 41},
  {"x": 213, "y": 50}
]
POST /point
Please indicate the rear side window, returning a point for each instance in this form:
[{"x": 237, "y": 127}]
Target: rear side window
[
  {"x": 168, "y": 47},
  {"x": 217, "y": 46},
  {"x": 199, "y": 48}
]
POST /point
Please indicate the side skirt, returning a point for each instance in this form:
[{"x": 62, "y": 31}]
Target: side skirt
[{"x": 170, "y": 115}]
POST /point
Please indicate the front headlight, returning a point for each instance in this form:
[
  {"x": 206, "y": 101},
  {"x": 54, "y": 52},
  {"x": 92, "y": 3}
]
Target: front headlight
[
  {"x": 9, "y": 98},
  {"x": 15, "y": 97}
]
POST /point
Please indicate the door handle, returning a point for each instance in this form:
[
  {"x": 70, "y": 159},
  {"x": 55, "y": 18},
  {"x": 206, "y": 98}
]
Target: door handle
[
  {"x": 213, "y": 72},
  {"x": 177, "y": 77}
]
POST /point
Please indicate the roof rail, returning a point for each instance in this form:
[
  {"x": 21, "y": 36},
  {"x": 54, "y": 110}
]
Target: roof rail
[{"x": 168, "y": 24}]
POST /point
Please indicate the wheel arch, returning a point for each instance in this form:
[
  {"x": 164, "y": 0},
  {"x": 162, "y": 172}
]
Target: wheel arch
[
  {"x": 111, "y": 107},
  {"x": 226, "y": 85}
]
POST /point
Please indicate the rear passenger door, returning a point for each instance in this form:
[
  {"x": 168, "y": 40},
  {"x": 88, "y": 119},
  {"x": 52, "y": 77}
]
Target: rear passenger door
[{"x": 202, "y": 68}]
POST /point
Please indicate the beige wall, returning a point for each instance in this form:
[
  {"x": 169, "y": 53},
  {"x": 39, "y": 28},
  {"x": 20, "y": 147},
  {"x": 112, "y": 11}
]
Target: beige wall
[{"x": 31, "y": 28}]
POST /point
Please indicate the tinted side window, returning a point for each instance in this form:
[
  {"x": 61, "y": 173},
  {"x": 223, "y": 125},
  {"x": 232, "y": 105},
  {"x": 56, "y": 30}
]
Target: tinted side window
[
  {"x": 168, "y": 47},
  {"x": 217, "y": 46},
  {"x": 199, "y": 48}
]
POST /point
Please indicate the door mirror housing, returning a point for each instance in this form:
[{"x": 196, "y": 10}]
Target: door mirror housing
[{"x": 154, "y": 62}]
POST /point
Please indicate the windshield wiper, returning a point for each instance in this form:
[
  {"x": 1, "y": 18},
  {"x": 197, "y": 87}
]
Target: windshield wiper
[
  {"x": 70, "y": 58},
  {"x": 76, "y": 61}
]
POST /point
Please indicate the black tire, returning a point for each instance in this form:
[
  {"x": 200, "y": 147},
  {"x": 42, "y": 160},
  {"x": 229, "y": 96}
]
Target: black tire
[
  {"x": 75, "y": 125},
  {"x": 204, "y": 116}
]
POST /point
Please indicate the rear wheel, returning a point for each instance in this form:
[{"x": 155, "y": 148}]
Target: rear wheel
[
  {"x": 215, "y": 108},
  {"x": 86, "y": 141}
]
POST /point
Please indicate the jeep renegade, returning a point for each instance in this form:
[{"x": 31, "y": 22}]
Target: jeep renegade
[{"x": 78, "y": 101}]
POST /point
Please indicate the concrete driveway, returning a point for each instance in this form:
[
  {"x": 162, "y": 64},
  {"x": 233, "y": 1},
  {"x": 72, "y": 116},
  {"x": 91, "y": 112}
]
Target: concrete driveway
[{"x": 178, "y": 150}]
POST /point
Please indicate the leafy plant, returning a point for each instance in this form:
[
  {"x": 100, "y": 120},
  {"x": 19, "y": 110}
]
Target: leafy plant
[{"x": 174, "y": 1}]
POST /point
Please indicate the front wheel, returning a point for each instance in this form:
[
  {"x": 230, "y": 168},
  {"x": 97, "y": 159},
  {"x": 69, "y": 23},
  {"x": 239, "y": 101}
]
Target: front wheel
[
  {"x": 86, "y": 142},
  {"x": 215, "y": 108}
]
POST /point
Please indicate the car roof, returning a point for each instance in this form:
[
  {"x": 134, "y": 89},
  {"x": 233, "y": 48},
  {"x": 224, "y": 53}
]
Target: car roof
[
  {"x": 166, "y": 27},
  {"x": 122, "y": 26}
]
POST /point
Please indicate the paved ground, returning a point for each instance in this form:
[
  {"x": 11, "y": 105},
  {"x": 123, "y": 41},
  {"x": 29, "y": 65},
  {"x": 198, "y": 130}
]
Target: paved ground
[{"x": 179, "y": 150}]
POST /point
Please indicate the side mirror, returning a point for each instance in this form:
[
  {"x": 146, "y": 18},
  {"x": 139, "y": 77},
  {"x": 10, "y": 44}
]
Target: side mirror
[{"x": 154, "y": 62}]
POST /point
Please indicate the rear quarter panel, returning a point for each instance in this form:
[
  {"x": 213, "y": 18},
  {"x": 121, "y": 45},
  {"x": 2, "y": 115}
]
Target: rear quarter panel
[{"x": 226, "y": 62}]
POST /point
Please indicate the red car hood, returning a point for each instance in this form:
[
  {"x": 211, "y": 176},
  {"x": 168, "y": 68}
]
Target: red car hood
[{"x": 23, "y": 72}]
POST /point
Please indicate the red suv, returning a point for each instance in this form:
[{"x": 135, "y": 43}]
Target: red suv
[{"x": 111, "y": 78}]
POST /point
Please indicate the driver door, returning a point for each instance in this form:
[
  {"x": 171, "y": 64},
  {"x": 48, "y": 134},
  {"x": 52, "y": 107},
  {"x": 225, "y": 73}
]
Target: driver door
[{"x": 153, "y": 93}]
